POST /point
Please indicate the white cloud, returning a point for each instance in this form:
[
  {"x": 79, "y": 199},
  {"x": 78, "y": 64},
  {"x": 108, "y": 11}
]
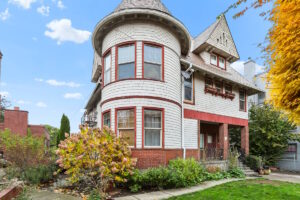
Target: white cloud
[
  {"x": 239, "y": 66},
  {"x": 39, "y": 79},
  {"x": 4, "y": 15},
  {"x": 62, "y": 83},
  {"x": 62, "y": 31},
  {"x": 4, "y": 93},
  {"x": 43, "y": 10},
  {"x": 60, "y": 4},
  {"x": 41, "y": 105},
  {"x": 22, "y": 102},
  {"x": 22, "y": 3},
  {"x": 72, "y": 96}
]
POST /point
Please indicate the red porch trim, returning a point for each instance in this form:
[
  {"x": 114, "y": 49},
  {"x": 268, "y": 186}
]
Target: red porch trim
[
  {"x": 163, "y": 127},
  {"x": 116, "y": 120},
  {"x": 193, "y": 114}
]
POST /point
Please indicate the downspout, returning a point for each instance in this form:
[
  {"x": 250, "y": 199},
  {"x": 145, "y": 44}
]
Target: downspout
[{"x": 182, "y": 111}]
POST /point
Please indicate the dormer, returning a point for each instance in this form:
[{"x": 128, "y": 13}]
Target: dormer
[{"x": 218, "y": 42}]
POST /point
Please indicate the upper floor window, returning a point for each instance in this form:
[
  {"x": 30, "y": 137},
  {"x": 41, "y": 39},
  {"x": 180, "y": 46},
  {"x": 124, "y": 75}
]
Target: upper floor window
[
  {"x": 218, "y": 61},
  {"x": 153, "y": 128},
  {"x": 189, "y": 89},
  {"x": 219, "y": 86},
  {"x": 242, "y": 100},
  {"x": 107, "y": 69},
  {"x": 126, "y": 125},
  {"x": 153, "y": 62},
  {"x": 106, "y": 119},
  {"x": 208, "y": 83},
  {"x": 228, "y": 89},
  {"x": 126, "y": 62}
]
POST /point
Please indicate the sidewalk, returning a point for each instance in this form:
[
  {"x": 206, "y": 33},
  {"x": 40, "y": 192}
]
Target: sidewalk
[
  {"x": 164, "y": 194},
  {"x": 283, "y": 177}
]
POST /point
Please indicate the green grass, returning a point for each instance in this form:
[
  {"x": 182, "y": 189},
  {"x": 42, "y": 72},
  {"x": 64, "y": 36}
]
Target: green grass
[{"x": 258, "y": 189}]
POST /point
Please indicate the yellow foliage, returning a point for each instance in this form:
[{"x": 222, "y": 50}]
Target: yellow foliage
[
  {"x": 95, "y": 155},
  {"x": 284, "y": 58}
]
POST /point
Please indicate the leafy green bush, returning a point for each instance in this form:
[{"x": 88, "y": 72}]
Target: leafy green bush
[
  {"x": 39, "y": 174},
  {"x": 179, "y": 173},
  {"x": 254, "y": 162},
  {"x": 94, "y": 195}
]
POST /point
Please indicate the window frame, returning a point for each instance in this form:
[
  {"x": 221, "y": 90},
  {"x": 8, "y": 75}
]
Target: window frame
[
  {"x": 228, "y": 85},
  {"x": 116, "y": 122},
  {"x": 221, "y": 84},
  {"x": 193, "y": 92},
  {"x": 245, "y": 100},
  {"x": 205, "y": 81},
  {"x": 162, "y": 60},
  {"x": 107, "y": 52},
  {"x": 162, "y": 146},
  {"x": 218, "y": 61},
  {"x": 102, "y": 118},
  {"x": 117, "y": 58}
]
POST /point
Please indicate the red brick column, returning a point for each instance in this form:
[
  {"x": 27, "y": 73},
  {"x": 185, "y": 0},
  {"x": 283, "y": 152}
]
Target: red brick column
[
  {"x": 245, "y": 139},
  {"x": 224, "y": 140}
]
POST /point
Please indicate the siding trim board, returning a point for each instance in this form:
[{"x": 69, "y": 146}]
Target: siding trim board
[
  {"x": 203, "y": 116},
  {"x": 140, "y": 97}
]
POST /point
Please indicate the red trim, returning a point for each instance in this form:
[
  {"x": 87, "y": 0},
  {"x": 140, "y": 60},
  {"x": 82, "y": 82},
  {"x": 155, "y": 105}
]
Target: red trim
[
  {"x": 103, "y": 113},
  {"x": 108, "y": 51},
  {"x": 245, "y": 97},
  {"x": 193, "y": 114},
  {"x": 140, "y": 97},
  {"x": 116, "y": 120},
  {"x": 116, "y": 57},
  {"x": 220, "y": 82},
  {"x": 162, "y": 61},
  {"x": 208, "y": 78},
  {"x": 218, "y": 64},
  {"x": 163, "y": 127}
]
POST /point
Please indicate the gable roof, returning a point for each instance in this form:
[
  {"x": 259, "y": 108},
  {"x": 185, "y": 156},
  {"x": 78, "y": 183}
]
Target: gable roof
[
  {"x": 138, "y": 4},
  {"x": 230, "y": 75},
  {"x": 209, "y": 39}
]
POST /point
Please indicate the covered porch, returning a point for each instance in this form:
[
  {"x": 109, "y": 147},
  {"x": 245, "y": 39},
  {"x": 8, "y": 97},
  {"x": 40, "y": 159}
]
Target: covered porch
[{"x": 214, "y": 140}]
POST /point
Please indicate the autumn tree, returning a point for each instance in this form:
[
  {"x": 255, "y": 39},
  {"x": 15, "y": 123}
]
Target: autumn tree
[{"x": 282, "y": 52}]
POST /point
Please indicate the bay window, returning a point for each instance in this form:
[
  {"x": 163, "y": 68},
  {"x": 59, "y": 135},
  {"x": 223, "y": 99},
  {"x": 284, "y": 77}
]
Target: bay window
[
  {"x": 153, "y": 66},
  {"x": 188, "y": 89},
  {"x": 106, "y": 119},
  {"x": 126, "y": 62},
  {"x": 126, "y": 125},
  {"x": 153, "y": 128},
  {"x": 107, "y": 69},
  {"x": 242, "y": 100}
]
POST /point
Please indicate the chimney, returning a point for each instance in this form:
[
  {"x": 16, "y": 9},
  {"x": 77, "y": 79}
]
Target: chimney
[
  {"x": 16, "y": 108},
  {"x": 249, "y": 70}
]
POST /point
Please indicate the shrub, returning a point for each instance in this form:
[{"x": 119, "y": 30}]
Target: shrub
[
  {"x": 213, "y": 169},
  {"x": 94, "y": 157},
  {"x": 254, "y": 162},
  {"x": 39, "y": 174},
  {"x": 233, "y": 159}
]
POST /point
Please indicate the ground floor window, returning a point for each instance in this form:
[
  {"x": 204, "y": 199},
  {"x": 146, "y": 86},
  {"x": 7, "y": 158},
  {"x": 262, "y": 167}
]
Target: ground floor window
[
  {"x": 153, "y": 120},
  {"x": 126, "y": 125},
  {"x": 106, "y": 119}
]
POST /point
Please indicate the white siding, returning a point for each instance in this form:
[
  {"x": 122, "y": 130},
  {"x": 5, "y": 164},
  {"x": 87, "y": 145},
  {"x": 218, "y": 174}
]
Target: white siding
[{"x": 191, "y": 134}]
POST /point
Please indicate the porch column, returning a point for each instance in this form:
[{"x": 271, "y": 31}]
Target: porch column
[
  {"x": 245, "y": 139},
  {"x": 223, "y": 138}
]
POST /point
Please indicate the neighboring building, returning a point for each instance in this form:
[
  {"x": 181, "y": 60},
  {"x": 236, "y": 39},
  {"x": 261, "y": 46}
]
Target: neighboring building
[
  {"x": 142, "y": 54},
  {"x": 17, "y": 121},
  {"x": 291, "y": 159}
]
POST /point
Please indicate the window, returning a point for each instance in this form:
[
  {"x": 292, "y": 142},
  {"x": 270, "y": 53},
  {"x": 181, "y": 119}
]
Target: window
[
  {"x": 153, "y": 68},
  {"x": 219, "y": 87},
  {"x": 188, "y": 89},
  {"x": 107, "y": 68},
  {"x": 106, "y": 119},
  {"x": 291, "y": 152},
  {"x": 201, "y": 141},
  {"x": 126, "y": 125},
  {"x": 213, "y": 59},
  {"x": 208, "y": 83},
  {"x": 153, "y": 128},
  {"x": 242, "y": 100},
  {"x": 209, "y": 139},
  {"x": 228, "y": 89},
  {"x": 221, "y": 62},
  {"x": 126, "y": 62},
  {"x": 292, "y": 148}
]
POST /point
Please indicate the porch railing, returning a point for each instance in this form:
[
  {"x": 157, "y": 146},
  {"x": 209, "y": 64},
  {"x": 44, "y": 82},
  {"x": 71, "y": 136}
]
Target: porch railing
[{"x": 207, "y": 154}]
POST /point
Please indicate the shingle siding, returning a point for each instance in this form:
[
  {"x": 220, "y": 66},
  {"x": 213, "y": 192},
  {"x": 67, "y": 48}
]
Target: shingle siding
[{"x": 191, "y": 133}]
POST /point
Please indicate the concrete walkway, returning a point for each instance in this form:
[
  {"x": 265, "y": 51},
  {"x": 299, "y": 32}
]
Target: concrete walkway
[
  {"x": 283, "y": 177},
  {"x": 46, "y": 195},
  {"x": 164, "y": 194}
]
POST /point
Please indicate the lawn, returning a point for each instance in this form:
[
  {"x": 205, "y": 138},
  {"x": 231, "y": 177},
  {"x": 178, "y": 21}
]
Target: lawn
[{"x": 258, "y": 189}]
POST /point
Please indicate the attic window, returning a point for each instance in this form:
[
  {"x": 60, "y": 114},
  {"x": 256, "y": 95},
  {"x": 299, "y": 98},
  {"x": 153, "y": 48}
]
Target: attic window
[
  {"x": 218, "y": 61},
  {"x": 213, "y": 59}
]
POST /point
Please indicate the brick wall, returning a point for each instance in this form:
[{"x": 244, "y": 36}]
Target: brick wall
[
  {"x": 16, "y": 120},
  {"x": 37, "y": 130}
]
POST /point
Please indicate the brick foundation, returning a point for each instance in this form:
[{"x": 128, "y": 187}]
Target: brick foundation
[{"x": 147, "y": 158}]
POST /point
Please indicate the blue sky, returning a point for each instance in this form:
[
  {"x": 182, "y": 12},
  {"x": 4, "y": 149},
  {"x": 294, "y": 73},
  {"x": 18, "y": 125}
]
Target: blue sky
[{"x": 48, "y": 54}]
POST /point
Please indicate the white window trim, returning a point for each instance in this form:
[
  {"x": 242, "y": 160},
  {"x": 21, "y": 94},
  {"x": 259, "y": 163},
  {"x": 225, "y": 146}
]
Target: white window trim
[{"x": 161, "y": 130}]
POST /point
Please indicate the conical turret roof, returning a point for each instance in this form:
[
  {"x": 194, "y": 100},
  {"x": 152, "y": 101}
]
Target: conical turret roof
[{"x": 142, "y": 4}]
